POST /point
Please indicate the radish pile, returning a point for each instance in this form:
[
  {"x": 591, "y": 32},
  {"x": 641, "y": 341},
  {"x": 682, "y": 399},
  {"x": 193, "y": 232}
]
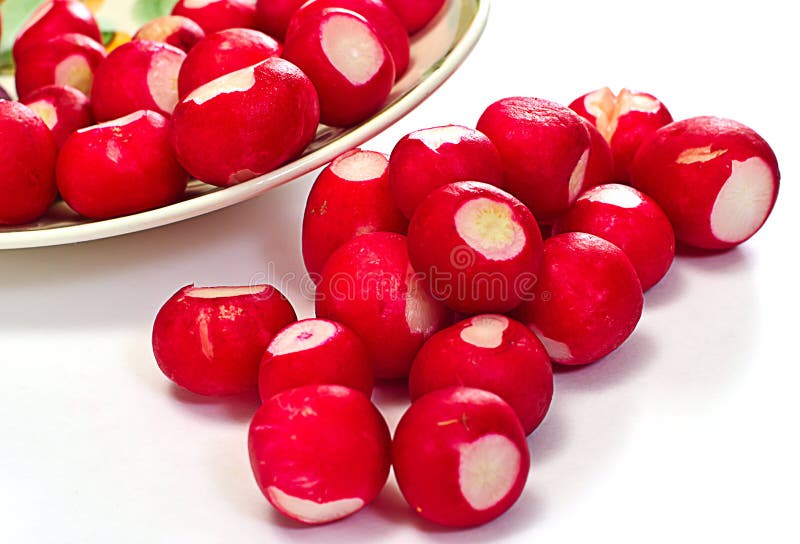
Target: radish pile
[
  {"x": 430, "y": 266},
  {"x": 240, "y": 88}
]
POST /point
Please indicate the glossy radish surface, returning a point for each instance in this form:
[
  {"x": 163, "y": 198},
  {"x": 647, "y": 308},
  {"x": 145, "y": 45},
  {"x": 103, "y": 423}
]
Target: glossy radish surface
[
  {"x": 600, "y": 165},
  {"x": 63, "y": 109},
  {"x": 216, "y": 15},
  {"x": 174, "y": 30},
  {"x": 273, "y": 15},
  {"x": 416, "y": 14},
  {"x": 54, "y": 18}
]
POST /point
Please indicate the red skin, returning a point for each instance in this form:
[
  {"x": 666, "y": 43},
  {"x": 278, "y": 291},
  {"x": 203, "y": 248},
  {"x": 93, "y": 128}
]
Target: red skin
[
  {"x": 416, "y": 167},
  {"x": 339, "y": 209},
  {"x": 213, "y": 346},
  {"x": 600, "y": 168},
  {"x": 38, "y": 63},
  {"x": 273, "y": 15},
  {"x": 415, "y": 14},
  {"x": 643, "y": 232},
  {"x": 687, "y": 192},
  {"x": 541, "y": 143},
  {"x": 111, "y": 171},
  {"x": 174, "y": 30},
  {"x": 342, "y": 102},
  {"x": 633, "y": 128},
  {"x": 236, "y": 136},
  {"x": 517, "y": 368},
  {"x": 588, "y": 298},
  {"x": 342, "y": 360},
  {"x": 224, "y": 52},
  {"x": 220, "y": 15},
  {"x": 365, "y": 286},
  {"x": 319, "y": 443},
  {"x": 27, "y": 160},
  {"x": 64, "y": 17},
  {"x": 456, "y": 273},
  {"x": 72, "y": 110},
  {"x": 425, "y": 452},
  {"x": 386, "y": 24}
]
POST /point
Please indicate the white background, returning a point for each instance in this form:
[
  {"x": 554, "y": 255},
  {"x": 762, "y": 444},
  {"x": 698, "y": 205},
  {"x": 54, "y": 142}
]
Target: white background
[{"x": 688, "y": 433}]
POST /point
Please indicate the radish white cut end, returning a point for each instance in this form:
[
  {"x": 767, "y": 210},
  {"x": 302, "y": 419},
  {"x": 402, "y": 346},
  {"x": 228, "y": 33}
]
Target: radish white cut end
[
  {"x": 421, "y": 314},
  {"x": 352, "y": 48},
  {"x": 621, "y": 196},
  {"x": 743, "y": 203},
  {"x": 557, "y": 351},
  {"x": 578, "y": 176},
  {"x": 699, "y": 154},
  {"x": 46, "y": 111},
  {"x": 235, "y": 82},
  {"x": 629, "y": 101},
  {"x": 309, "y": 511},
  {"x": 607, "y": 107},
  {"x": 435, "y": 137},
  {"x": 301, "y": 336},
  {"x": 360, "y": 166},
  {"x": 221, "y": 292},
  {"x": 487, "y": 470},
  {"x": 197, "y": 4},
  {"x": 121, "y": 122},
  {"x": 113, "y": 151},
  {"x": 485, "y": 331},
  {"x": 75, "y": 72},
  {"x": 162, "y": 80},
  {"x": 489, "y": 228}
]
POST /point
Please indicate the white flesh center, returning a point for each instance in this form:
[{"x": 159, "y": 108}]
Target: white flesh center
[
  {"x": 162, "y": 79},
  {"x": 197, "y": 4},
  {"x": 433, "y": 138},
  {"x": 489, "y": 228},
  {"x": 699, "y": 154},
  {"x": 487, "y": 470},
  {"x": 421, "y": 310},
  {"x": 235, "y": 82},
  {"x": 119, "y": 122},
  {"x": 75, "y": 72},
  {"x": 557, "y": 351},
  {"x": 578, "y": 176},
  {"x": 221, "y": 292},
  {"x": 301, "y": 336},
  {"x": 352, "y": 48},
  {"x": 46, "y": 111},
  {"x": 360, "y": 166},
  {"x": 607, "y": 107},
  {"x": 309, "y": 511},
  {"x": 485, "y": 331},
  {"x": 744, "y": 201},
  {"x": 621, "y": 196},
  {"x": 160, "y": 28}
]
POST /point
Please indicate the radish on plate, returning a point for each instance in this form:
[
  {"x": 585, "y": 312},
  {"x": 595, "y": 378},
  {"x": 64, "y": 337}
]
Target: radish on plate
[
  {"x": 416, "y": 14},
  {"x": 54, "y": 18},
  {"x": 216, "y": 15},
  {"x": 319, "y": 453},
  {"x": 273, "y": 15},
  {"x": 63, "y": 109},
  {"x": 174, "y": 30}
]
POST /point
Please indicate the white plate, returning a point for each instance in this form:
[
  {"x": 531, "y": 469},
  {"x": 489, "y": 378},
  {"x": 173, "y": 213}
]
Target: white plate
[{"x": 435, "y": 54}]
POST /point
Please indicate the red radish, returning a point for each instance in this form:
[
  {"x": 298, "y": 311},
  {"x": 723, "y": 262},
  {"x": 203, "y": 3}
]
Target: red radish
[
  {"x": 383, "y": 20},
  {"x": 120, "y": 167},
  {"x": 319, "y": 453},
  {"x": 245, "y": 123},
  {"x": 174, "y": 30},
  {"x": 716, "y": 179},
  {"x": 216, "y": 15},
  {"x": 137, "y": 75},
  {"x": 314, "y": 351},
  {"x": 273, "y": 15},
  {"x": 210, "y": 340},
  {"x": 349, "y": 198},
  {"x": 224, "y": 52},
  {"x": 350, "y": 66},
  {"x": 545, "y": 150},
  {"x": 54, "y": 18},
  {"x": 490, "y": 352},
  {"x": 62, "y": 108},
  {"x": 27, "y": 160},
  {"x": 368, "y": 284},
  {"x": 415, "y": 14},
  {"x": 429, "y": 158},
  {"x": 600, "y": 166},
  {"x": 477, "y": 247},
  {"x": 625, "y": 120},
  {"x": 588, "y": 299},
  {"x": 630, "y": 220},
  {"x": 68, "y": 59},
  {"x": 460, "y": 456}
]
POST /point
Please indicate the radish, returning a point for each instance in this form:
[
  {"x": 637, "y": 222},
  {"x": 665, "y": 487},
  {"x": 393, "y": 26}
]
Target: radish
[
  {"x": 383, "y": 20},
  {"x": 628, "y": 219},
  {"x": 54, "y": 18},
  {"x": 460, "y": 456},
  {"x": 210, "y": 340},
  {"x": 245, "y": 123},
  {"x": 716, "y": 179},
  {"x": 493, "y": 353},
  {"x": 224, "y": 52},
  {"x": 27, "y": 160},
  {"x": 545, "y": 149},
  {"x": 600, "y": 165},
  {"x": 120, "y": 167},
  {"x": 216, "y": 15},
  {"x": 368, "y": 284},
  {"x": 477, "y": 247},
  {"x": 625, "y": 120},
  {"x": 273, "y": 15},
  {"x": 415, "y": 14},
  {"x": 432, "y": 157},
  {"x": 67, "y": 59},
  {"x": 350, "y": 66},
  {"x": 588, "y": 299},
  {"x": 62, "y": 108},
  {"x": 4, "y": 94},
  {"x": 174, "y": 30},
  {"x": 319, "y": 453},
  {"x": 349, "y": 198},
  {"x": 314, "y": 351}
]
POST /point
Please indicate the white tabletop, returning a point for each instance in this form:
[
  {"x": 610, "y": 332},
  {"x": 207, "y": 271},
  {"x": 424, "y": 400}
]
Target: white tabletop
[{"x": 687, "y": 433}]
